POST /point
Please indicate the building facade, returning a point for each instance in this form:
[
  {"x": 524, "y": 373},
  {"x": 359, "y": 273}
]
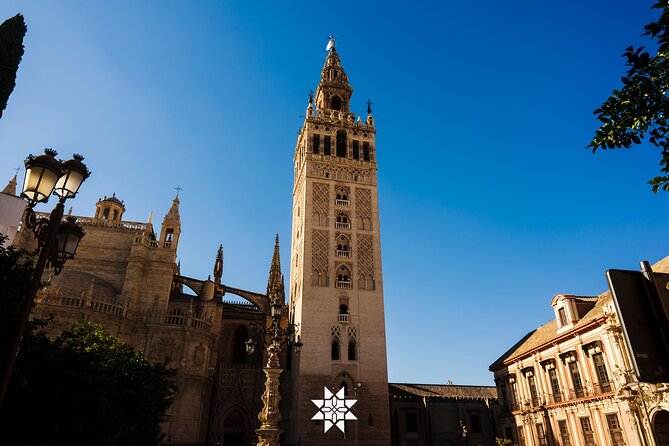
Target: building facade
[
  {"x": 125, "y": 277},
  {"x": 443, "y": 415},
  {"x": 336, "y": 281},
  {"x": 570, "y": 382}
]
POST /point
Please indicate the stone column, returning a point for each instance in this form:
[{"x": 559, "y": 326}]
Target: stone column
[{"x": 269, "y": 432}]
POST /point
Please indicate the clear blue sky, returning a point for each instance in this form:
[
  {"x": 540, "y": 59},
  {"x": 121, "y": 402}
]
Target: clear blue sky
[{"x": 489, "y": 202}]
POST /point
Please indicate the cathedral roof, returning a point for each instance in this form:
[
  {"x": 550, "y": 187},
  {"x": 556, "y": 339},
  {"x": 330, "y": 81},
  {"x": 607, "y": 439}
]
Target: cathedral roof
[{"x": 400, "y": 390}]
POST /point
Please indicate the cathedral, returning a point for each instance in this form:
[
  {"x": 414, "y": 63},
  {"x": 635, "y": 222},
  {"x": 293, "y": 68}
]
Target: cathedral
[{"x": 126, "y": 277}]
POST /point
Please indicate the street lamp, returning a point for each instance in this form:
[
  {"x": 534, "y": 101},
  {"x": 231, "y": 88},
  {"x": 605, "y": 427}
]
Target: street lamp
[
  {"x": 273, "y": 337},
  {"x": 57, "y": 241}
]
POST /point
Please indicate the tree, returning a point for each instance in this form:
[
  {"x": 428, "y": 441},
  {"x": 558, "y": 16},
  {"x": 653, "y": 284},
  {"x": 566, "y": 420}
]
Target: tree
[
  {"x": 16, "y": 272},
  {"x": 12, "y": 32},
  {"x": 86, "y": 387},
  {"x": 641, "y": 107}
]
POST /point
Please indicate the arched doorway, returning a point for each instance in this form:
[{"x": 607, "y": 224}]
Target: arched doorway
[
  {"x": 234, "y": 428},
  {"x": 661, "y": 428}
]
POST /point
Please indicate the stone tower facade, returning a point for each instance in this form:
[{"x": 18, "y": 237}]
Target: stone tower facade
[{"x": 336, "y": 282}]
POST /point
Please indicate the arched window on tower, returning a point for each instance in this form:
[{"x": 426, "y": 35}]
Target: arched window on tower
[
  {"x": 334, "y": 350},
  {"x": 341, "y": 144},
  {"x": 343, "y": 313},
  {"x": 356, "y": 150},
  {"x": 342, "y": 221},
  {"x": 105, "y": 214},
  {"x": 352, "y": 351},
  {"x": 342, "y": 197},
  {"x": 343, "y": 246},
  {"x": 115, "y": 215},
  {"x": 326, "y": 145},
  {"x": 343, "y": 277},
  {"x": 316, "y": 145},
  {"x": 335, "y": 103},
  {"x": 365, "y": 151}
]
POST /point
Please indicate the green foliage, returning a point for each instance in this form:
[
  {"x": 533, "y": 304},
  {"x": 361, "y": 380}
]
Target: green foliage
[
  {"x": 86, "y": 387},
  {"x": 16, "y": 272},
  {"x": 640, "y": 108},
  {"x": 503, "y": 442},
  {"x": 12, "y": 32}
]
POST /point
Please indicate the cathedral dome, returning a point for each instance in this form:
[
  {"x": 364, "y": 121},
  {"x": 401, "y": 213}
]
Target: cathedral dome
[{"x": 109, "y": 208}]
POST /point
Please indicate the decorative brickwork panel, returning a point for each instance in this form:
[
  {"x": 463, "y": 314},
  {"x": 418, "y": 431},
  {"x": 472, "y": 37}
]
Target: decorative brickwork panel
[
  {"x": 321, "y": 204},
  {"x": 365, "y": 261},
  {"x": 352, "y": 333},
  {"x": 335, "y": 332},
  {"x": 320, "y": 249},
  {"x": 363, "y": 208}
]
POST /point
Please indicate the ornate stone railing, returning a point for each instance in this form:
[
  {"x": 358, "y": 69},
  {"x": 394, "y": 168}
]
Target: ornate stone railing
[
  {"x": 343, "y": 253},
  {"x": 343, "y": 284},
  {"x": 88, "y": 221}
]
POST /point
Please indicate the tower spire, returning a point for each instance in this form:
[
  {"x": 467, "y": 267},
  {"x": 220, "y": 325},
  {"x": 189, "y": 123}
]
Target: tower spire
[
  {"x": 10, "y": 189},
  {"x": 275, "y": 281},
  {"x": 333, "y": 92},
  {"x": 218, "y": 265}
]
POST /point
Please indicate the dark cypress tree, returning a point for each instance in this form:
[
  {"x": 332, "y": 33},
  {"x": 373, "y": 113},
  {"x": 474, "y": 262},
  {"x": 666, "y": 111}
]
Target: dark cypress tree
[{"x": 12, "y": 32}]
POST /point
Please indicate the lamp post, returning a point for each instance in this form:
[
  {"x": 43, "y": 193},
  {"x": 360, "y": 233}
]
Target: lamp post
[
  {"x": 273, "y": 336},
  {"x": 57, "y": 241}
]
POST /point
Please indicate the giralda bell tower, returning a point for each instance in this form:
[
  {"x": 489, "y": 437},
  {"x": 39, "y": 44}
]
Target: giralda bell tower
[{"x": 336, "y": 281}]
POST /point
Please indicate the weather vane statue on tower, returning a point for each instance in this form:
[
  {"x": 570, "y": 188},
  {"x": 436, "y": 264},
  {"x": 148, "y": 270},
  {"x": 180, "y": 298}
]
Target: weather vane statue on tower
[{"x": 331, "y": 44}]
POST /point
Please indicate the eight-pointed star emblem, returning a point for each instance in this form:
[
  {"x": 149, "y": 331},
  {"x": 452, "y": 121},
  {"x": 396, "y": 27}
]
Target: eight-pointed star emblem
[{"x": 334, "y": 409}]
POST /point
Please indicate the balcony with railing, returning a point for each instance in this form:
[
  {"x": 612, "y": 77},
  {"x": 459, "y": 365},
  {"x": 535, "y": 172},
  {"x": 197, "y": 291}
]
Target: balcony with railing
[
  {"x": 342, "y": 202},
  {"x": 342, "y": 225},
  {"x": 343, "y": 283},
  {"x": 343, "y": 318},
  {"x": 343, "y": 253}
]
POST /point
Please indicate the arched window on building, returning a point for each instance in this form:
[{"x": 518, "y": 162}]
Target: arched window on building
[
  {"x": 334, "y": 350},
  {"x": 341, "y": 144},
  {"x": 316, "y": 145},
  {"x": 343, "y": 277},
  {"x": 343, "y": 313},
  {"x": 342, "y": 221},
  {"x": 105, "y": 214},
  {"x": 335, "y": 103},
  {"x": 352, "y": 351},
  {"x": 365, "y": 151},
  {"x": 343, "y": 246}
]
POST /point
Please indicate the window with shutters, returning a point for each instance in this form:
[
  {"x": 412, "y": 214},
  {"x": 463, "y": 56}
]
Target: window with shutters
[
  {"x": 614, "y": 430},
  {"x": 565, "y": 439},
  {"x": 602, "y": 374},
  {"x": 588, "y": 433}
]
